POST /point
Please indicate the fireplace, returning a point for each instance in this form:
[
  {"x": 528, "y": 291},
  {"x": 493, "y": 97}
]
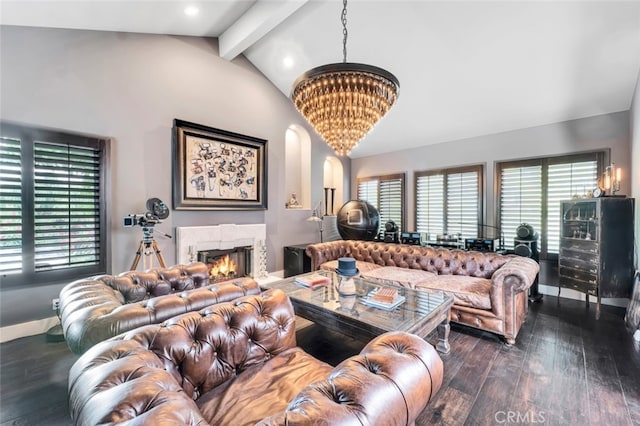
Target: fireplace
[
  {"x": 226, "y": 264},
  {"x": 190, "y": 240}
]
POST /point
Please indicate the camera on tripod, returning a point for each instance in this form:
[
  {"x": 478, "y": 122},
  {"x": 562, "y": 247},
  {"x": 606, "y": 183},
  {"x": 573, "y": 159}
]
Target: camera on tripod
[
  {"x": 156, "y": 210},
  {"x": 146, "y": 219}
]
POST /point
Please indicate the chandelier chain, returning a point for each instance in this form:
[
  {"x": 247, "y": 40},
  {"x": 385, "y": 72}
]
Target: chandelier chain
[
  {"x": 343, "y": 101},
  {"x": 344, "y": 31}
]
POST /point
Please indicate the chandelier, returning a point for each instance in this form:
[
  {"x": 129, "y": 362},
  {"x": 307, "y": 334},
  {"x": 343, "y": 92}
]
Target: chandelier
[{"x": 343, "y": 101}]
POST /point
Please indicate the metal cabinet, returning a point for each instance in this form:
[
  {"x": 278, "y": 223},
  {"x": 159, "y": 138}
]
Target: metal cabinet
[{"x": 596, "y": 247}]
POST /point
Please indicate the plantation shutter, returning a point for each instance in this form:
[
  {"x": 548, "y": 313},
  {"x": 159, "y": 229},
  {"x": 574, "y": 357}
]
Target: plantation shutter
[
  {"x": 430, "y": 204},
  {"x": 520, "y": 200},
  {"x": 449, "y": 201},
  {"x": 66, "y": 206},
  {"x": 463, "y": 204},
  {"x": 10, "y": 206},
  {"x": 386, "y": 194},
  {"x": 368, "y": 191},
  {"x": 566, "y": 180},
  {"x": 390, "y": 205}
]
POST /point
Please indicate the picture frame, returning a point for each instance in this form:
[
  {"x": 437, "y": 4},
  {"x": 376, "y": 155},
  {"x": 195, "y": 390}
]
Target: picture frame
[{"x": 215, "y": 169}]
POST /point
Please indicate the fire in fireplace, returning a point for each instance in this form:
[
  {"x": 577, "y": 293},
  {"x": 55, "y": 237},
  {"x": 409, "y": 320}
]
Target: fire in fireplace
[{"x": 226, "y": 264}]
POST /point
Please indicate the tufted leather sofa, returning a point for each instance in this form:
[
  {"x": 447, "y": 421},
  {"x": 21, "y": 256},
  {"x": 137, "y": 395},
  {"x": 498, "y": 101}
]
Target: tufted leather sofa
[
  {"x": 237, "y": 363},
  {"x": 97, "y": 308},
  {"x": 489, "y": 290}
]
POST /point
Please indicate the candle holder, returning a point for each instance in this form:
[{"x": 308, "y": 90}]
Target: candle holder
[
  {"x": 612, "y": 176},
  {"x": 262, "y": 259}
]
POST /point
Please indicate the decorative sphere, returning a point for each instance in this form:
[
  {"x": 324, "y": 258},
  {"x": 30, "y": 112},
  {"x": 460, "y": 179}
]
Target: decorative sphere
[{"x": 358, "y": 220}]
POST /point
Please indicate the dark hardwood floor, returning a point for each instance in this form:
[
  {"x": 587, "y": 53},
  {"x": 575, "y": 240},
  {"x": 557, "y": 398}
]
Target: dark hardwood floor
[{"x": 566, "y": 369}]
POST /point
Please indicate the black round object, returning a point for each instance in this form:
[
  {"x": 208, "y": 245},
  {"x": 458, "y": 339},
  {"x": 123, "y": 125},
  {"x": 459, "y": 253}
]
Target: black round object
[
  {"x": 523, "y": 250},
  {"x": 391, "y": 226},
  {"x": 158, "y": 208},
  {"x": 526, "y": 248},
  {"x": 358, "y": 220},
  {"x": 526, "y": 232}
]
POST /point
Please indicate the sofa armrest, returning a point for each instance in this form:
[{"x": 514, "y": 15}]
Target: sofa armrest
[
  {"x": 324, "y": 252},
  {"x": 518, "y": 274},
  {"x": 389, "y": 382}
]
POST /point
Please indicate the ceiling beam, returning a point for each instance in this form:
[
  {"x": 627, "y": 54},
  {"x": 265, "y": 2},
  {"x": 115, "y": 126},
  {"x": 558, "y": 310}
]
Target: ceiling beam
[{"x": 255, "y": 23}]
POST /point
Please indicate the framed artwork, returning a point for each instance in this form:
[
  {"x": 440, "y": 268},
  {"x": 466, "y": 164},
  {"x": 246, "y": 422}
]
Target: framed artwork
[{"x": 215, "y": 169}]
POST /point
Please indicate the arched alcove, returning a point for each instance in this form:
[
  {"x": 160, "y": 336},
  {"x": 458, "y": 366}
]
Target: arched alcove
[
  {"x": 298, "y": 167},
  {"x": 333, "y": 180}
]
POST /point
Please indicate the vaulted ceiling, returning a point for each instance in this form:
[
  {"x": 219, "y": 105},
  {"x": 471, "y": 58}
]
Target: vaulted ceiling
[{"x": 465, "y": 68}]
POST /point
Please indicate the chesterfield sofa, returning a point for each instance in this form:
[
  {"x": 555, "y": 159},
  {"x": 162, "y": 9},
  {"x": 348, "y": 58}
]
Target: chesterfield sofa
[
  {"x": 97, "y": 308},
  {"x": 237, "y": 363},
  {"x": 490, "y": 291}
]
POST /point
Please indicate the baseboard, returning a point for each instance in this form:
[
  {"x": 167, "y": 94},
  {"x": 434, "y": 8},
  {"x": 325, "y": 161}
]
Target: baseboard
[
  {"x": 568, "y": 293},
  {"x": 31, "y": 328}
]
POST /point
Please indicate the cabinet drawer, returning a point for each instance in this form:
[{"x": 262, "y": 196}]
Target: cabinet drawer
[
  {"x": 578, "y": 285},
  {"x": 586, "y": 276},
  {"x": 587, "y": 246},
  {"x": 579, "y": 264},
  {"x": 588, "y": 258}
]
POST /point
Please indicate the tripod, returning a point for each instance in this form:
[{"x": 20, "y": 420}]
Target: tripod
[{"x": 147, "y": 244}]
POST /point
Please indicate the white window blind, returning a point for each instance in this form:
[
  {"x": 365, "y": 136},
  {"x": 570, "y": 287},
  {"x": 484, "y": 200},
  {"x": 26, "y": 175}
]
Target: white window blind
[
  {"x": 449, "y": 201},
  {"x": 565, "y": 181},
  {"x": 390, "y": 204},
  {"x": 10, "y": 206},
  {"x": 66, "y": 206},
  {"x": 368, "y": 191},
  {"x": 386, "y": 194},
  {"x": 430, "y": 204},
  {"x": 531, "y": 191},
  {"x": 520, "y": 200},
  {"x": 462, "y": 204}
]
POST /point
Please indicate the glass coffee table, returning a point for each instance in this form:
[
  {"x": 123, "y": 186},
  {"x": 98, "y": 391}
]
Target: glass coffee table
[{"x": 357, "y": 314}]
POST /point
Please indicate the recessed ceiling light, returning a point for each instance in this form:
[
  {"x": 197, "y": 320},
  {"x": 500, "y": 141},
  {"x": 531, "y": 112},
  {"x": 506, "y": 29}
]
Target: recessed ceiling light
[
  {"x": 191, "y": 10},
  {"x": 287, "y": 62}
]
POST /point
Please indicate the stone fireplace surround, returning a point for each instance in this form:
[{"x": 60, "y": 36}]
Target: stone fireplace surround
[{"x": 219, "y": 237}]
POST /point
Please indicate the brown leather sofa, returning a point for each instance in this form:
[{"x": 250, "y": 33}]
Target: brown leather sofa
[
  {"x": 489, "y": 290},
  {"x": 237, "y": 364},
  {"x": 97, "y": 308}
]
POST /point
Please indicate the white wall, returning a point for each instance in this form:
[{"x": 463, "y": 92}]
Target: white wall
[
  {"x": 130, "y": 87},
  {"x": 588, "y": 134}
]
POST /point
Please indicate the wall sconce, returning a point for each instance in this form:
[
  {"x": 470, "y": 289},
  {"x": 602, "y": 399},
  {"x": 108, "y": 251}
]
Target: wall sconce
[{"x": 612, "y": 178}]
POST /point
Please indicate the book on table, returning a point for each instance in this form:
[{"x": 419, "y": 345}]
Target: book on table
[
  {"x": 384, "y": 298},
  {"x": 313, "y": 280}
]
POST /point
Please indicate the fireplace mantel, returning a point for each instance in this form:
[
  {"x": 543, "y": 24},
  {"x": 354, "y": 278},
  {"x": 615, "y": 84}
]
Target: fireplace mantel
[{"x": 191, "y": 239}]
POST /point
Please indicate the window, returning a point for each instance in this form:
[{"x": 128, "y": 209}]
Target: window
[
  {"x": 530, "y": 192},
  {"x": 449, "y": 201},
  {"x": 385, "y": 193},
  {"x": 52, "y": 214}
]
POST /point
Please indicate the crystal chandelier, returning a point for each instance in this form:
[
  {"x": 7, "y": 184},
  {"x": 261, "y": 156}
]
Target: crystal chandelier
[{"x": 343, "y": 101}]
